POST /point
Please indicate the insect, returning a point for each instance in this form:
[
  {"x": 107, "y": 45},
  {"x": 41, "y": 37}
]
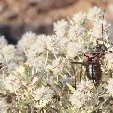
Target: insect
[{"x": 92, "y": 62}]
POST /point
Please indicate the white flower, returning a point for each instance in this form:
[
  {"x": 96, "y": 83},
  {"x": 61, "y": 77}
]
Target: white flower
[
  {"x": 79, "y": 17},
  {"x": 73, "y": 49},
  {"x": 43, "y": 95},
  {"x": 3, "y": 42},
  {"x": 94, "y": 14},
  {"x": 43, "y": 92},
  {"x": 7, "y": 53},
  {"x": 41, "y": 40},
  {"x": 35, "y": 50},
  {"x": 60, "y": 28},
  {"x": 109, "y": 86},
  {"x": 36, "y": 62},
  {"x": 85, "y": 85},
  {"x": 84, "y": 96},
  {"x": 77, "y": 99},
  {"x": 11, "y": 83},
  {"x": 27, "y": 40},
  {"x": 53, "y": 44},
  {"x": 75, "y": 31}
]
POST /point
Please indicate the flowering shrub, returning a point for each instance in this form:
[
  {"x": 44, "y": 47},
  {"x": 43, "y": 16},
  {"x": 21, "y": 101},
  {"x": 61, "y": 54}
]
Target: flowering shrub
[{"x": 36, "y": 75}]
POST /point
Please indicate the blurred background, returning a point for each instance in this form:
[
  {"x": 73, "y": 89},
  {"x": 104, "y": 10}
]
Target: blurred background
[{"x": 19, "y": 16}]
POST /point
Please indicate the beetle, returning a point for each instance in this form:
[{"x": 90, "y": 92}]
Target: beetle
[{"x": 92, "y": 62}]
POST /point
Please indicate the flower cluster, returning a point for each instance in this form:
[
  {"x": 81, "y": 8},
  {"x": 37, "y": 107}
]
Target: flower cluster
[
  {"x": 43, "y": 95},
  {"x": 37, "y": 75},
  {"x": 84, "y": 98}
]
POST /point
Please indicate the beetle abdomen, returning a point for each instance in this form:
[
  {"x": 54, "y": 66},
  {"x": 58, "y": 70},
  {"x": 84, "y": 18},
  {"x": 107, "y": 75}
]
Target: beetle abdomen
[{"x": 93, "y": 71}]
